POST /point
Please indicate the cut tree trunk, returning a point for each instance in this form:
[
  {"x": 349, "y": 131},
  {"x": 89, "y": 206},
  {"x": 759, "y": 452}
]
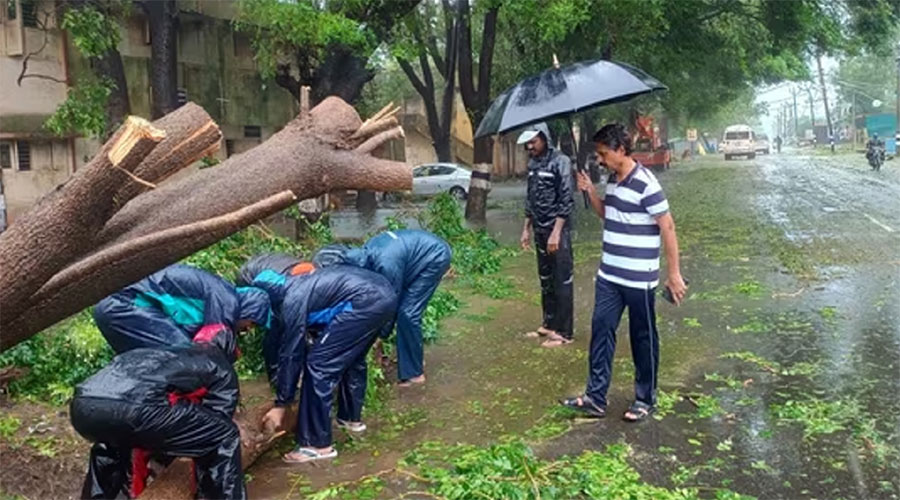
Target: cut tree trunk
[
  {"x": 62, "y": 226},
  {"x": 191, "y": 134},
  {"x": 80, "y": 259}
]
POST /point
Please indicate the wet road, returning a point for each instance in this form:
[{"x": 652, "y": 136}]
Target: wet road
[{"x": 779, "y": 375}]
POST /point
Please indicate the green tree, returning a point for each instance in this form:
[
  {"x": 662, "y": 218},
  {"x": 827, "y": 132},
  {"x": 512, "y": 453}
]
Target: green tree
[{"x": 322, "y": 44}]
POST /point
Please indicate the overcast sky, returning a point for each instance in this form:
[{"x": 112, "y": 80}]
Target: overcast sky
[{"x": 777, "y": 95}]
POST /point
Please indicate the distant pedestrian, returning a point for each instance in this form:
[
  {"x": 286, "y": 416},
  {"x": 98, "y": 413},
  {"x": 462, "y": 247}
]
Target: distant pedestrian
[
  {"x": 548, "y": 213},
  {"x": 636, "y": 222},
  {"x": 778, "y": 143}
]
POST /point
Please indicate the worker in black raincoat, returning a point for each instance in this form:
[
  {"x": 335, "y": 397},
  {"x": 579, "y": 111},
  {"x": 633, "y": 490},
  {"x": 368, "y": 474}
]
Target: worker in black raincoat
[
  {"x": 330, "y": 318},
  {"x": 414, "y": 262},
  {"x": 549, "y": 207},
  {"x": 177, "y": 401},
  {"x": 174, "y": 305}
]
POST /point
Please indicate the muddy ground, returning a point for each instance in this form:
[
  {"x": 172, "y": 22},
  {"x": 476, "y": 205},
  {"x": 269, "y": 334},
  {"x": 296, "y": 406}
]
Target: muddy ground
[{"x": 779, "y": 374}]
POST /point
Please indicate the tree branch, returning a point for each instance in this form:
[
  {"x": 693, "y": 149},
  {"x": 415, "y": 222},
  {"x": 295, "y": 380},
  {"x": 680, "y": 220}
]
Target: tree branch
[
  {"x": 413, "y": 77},
  {"x": 466, "y": 82},
  {"x": 486, "y": 58}
]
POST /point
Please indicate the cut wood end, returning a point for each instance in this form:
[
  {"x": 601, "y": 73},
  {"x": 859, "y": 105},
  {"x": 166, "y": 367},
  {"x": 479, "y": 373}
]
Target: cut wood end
[{"x": 134, "y": 130}]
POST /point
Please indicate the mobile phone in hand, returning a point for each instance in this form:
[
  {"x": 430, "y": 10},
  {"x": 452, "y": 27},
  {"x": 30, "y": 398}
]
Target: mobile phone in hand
[{"x": 667, "y": 294}]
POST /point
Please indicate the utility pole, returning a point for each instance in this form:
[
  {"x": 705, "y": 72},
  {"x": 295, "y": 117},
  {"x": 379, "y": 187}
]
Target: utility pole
[
  {"x": 796, "y": 126},
  {"x": 853, "y": 119},
  {"x": 825, "y": 100},
  {"x": 812, "y": 112},
  {"x": 897, "y": 131}
]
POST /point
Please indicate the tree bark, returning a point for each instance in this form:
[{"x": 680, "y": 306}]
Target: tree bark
[
  {"x": 118, "y": 106},
  {"x": 62, "y": 226},
  {"x": 81, "y": 259},
  {"x": 163, "y": 18},
  {"x": 477, "y": 99}
]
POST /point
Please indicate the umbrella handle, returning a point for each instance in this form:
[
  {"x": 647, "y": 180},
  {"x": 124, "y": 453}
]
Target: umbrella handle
[{"x": 587, "y": 201}]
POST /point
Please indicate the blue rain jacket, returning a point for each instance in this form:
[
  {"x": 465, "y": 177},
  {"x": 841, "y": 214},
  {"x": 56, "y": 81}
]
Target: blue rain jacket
[
  {"x": 171, "y": 305},
  {"x": 313, "y": 301}
]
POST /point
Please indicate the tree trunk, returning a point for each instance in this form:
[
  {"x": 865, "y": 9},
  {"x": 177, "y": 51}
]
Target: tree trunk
[
  {"x": 480, "y": 184},
  {"x": 322, "y": 151},
  {"x": 824, "y": 98},
  {"x": 62, "y": 225},
  {"x": 366, "y": 202},
  {"x": 476, "y": 101},
  {"x": 163, "y": 18},
  {"x": 118, "y": 106},
  {"x": 342, "y": 74}
]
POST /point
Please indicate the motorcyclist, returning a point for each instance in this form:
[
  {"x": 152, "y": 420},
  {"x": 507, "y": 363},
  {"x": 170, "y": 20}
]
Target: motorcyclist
[{"x": 875, "y": 151}]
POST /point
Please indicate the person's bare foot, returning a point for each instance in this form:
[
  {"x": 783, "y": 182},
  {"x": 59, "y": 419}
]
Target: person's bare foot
[
  {"x": 556, "y": 340},
  {"x": 415, "y": 380},
  {"x": 540, "y": 332}
]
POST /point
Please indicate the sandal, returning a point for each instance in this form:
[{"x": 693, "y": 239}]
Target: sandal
[
  {"x": 638, "y": 411},
  {"x": 349, "y": 426},
  {"x": 585, "y": 405},
  {"x": 540, "y": 332},
  {"x": 556, "y": 340},
  {"x": 302, "y": 455}
]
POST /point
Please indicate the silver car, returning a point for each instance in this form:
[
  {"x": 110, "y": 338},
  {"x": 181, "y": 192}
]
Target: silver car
[{"x": 436, "y": 178}]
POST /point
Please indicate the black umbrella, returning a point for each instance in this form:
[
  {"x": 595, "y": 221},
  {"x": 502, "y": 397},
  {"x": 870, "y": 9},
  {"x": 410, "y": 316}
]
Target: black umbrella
[{"x": 562, "y": 91}]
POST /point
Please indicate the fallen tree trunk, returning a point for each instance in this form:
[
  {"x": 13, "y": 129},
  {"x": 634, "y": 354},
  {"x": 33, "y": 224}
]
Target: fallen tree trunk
[
  {"x": 63, "y": 225},
  {"x": 322, "y": 150}
]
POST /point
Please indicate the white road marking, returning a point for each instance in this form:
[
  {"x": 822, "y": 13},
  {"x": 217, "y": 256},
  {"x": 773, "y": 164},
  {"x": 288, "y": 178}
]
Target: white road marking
[{"x": 878, "y": 223}]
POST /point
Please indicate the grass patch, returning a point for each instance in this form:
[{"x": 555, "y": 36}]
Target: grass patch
[
  {"x": 817, "y": 416},
  {"x": 801, "y": 369},
  {"x": 726, "y": 380},
  {"x": 511, "y": 470},
  {"x": 749, "y": 287}
]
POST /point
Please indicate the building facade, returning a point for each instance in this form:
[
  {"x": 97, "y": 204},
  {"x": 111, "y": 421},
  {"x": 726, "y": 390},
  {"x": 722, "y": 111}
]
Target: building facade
[{"x": 215, "y": 69}]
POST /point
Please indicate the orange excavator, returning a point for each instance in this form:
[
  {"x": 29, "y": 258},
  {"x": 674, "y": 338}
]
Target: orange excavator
[{"x": 650, "y": 147}]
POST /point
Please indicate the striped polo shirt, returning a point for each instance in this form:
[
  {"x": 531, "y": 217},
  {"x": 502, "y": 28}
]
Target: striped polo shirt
[{"x": 631, "y": 240}]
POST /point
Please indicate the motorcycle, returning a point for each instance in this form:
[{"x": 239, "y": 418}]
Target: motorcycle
[{"x": 875, "y": 155}]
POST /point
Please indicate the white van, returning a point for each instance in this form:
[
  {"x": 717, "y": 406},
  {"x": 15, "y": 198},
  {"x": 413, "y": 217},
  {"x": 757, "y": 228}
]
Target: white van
[{"x": 739, "y": 140}]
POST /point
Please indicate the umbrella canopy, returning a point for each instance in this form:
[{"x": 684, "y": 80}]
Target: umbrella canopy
[{"x": 566, "y": 90}]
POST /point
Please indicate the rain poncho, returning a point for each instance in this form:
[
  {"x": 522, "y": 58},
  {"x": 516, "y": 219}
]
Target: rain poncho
[
  {"x": 178, "y": 401},
  {"x": 171, "y": 306},
  {"x": 550, "y": 197},
  {"x": 330, "y": 320},
  {"x": 414, "y": 262},
  {"x": 269, "y": 272},
  {"x": 550, "y": 186}
]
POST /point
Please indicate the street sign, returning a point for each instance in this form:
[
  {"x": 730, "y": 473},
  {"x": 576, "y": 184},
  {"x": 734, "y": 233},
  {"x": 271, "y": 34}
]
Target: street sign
[{"x": 692, "y": 134}]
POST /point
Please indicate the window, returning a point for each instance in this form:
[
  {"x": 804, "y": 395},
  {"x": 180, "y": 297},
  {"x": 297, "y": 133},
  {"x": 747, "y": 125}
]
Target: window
[
  {"x": 229, "y": 148},
  {"x": 29, "y": 14},
  {"x": 443, "y": 170},
  {"x": 420, "y": 171},
  {"x": 182, "y": 97},
  {"x": 23, "y": 155},
  {"x": 252, "y": 131},
  {"x": 6, "y": 154},
  {"x": 737, "y": 136}
]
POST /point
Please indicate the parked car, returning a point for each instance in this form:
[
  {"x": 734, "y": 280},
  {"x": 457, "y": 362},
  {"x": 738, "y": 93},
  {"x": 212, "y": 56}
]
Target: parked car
[
  {"x": 738, "y": 141},
  {"x": 436, "y": 178},
  {"x": 762, "y": 144}
]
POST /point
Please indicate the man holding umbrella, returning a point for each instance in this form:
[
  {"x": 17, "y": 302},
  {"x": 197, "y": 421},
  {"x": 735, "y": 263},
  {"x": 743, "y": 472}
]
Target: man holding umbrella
[
  {"x": 548, "y": 212},
  {"x": 636, "y": 223}
]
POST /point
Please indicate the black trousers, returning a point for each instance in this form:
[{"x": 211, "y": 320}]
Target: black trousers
[
  {"x": 555, "y": 273},
  {"x": 183, "y": 430}
]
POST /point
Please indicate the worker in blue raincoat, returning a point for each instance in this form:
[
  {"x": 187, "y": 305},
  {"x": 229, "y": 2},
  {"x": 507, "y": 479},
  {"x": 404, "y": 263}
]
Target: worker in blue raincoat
[
  {"x": 174, "y": 306},
  {"x": 174, "y": 401},
  {"x": 270, "y": 271},
  {"x": 330, "y": 318},
  {"x": 414, "y": 262}
]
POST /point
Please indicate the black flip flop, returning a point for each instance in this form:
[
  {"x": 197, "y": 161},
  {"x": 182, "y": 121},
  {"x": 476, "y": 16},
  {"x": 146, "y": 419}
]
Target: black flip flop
[
  {"x": 584, "y": 405},
  {"x": 640, "y": 409}
]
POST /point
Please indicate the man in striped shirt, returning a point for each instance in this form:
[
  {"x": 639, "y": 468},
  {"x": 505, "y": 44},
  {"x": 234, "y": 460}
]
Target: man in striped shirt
[{"x": 636, "y": 222}]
